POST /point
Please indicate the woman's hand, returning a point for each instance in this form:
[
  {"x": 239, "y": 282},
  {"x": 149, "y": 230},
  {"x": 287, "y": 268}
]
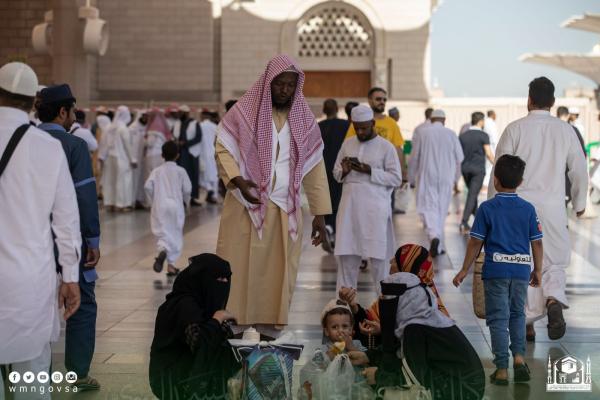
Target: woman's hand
[
  {"x": 358, "y": 358},
  {"x": 349, "y": 296},
  {"x": 368, "y": 327},
  {"x": 369, "y": 374},
  {"x": 223, "y": 315}
]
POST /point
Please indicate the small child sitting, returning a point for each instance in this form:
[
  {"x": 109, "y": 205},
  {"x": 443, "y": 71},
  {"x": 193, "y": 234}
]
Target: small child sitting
[
  {"x": 338, "y": 328},
  {"x": 169, "y": 188},
  {"x": 507, "y": 226}
]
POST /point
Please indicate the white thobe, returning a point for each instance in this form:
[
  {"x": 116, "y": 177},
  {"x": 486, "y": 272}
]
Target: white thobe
[
  {"x": 153, "y": 152},
  {"x": 208, "y": 177},
  {"x": 86, "y": 135},
  {"x": 168, "y": 187},
  {"x": 435, "y": 168},
  {"x": 35, "y": 186},
  {"x": 549, "y": 147},
  {"x": 138, "y": 133},
  {"x": 117, "y": 176},
  {"x": 364, "y": 219},
  {"x": 490, "y": 127}
]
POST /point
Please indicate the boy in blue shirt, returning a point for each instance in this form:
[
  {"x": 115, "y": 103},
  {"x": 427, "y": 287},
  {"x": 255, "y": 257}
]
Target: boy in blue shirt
[{"x": 506, "y": 226}]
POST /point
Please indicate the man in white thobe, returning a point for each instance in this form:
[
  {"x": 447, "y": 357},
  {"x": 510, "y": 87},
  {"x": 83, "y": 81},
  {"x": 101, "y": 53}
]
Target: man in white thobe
[
  {"x": 549, "y": 147},
  {"x": 209, "y": 176},
  {"x": 491, "y": 128},
  {"x": 368, "y": 167},
  {"x": 119, "y": 162},
  {"x": 35, "y": 185},
  {"x": 137, "y": 130},
  {"x": 436, "y": 159},
  {"x": 575, "y": 121}
]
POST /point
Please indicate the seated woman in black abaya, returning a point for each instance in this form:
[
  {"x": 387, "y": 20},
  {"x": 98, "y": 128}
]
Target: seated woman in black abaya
[
  {"x": 190, "y": 354},
  {"x": 437, "y": 352}
]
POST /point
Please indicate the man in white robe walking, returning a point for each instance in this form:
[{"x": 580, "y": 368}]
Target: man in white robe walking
[
  {"x": 209, "y": 175},
  {"x": 549, "y": 147},
  {"x": 137, "y": 131},
  {"x": 435, "y": 168},
  {"x": 35, "y": 184},
  {"x": 119, "y": 162},
  {"x": 368, "y": 167}
]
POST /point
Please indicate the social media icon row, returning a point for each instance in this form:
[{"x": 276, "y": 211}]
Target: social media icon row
[{"x": 42, "y": 377}]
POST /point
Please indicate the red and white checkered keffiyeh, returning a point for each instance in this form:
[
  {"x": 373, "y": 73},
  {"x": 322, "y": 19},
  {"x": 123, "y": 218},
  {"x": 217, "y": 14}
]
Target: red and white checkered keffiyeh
[{"x": 247, "y": 131}]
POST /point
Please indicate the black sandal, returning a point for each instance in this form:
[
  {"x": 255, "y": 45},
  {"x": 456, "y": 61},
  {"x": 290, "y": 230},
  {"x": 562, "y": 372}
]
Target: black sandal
[
  {"x": 522, "y": 373},
  {"x": 173, "y": 273},
  {"x": 499, "y": 382},
  {"x": 556, "y": 321},
  {"x": 159, "y": 261}
]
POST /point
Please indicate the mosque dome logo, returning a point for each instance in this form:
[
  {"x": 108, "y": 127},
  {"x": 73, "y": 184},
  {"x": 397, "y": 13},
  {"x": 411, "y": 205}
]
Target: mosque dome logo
[{"x": 569, "y": 374}]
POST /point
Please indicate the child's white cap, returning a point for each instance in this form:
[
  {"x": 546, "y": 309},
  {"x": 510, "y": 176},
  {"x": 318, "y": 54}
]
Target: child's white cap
[{"x": 332, "y": 305}]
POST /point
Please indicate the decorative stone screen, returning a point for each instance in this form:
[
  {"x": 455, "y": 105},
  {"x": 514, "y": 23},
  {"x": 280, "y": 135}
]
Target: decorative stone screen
[{"x": 334, "y": 31}]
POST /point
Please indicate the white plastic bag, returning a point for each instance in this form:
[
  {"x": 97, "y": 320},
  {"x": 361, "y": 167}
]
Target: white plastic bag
[
  {"x": 339, "y": 378},
  {"x": 311, "y": 376}
]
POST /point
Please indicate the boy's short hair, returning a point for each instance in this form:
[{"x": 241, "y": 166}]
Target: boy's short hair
[
  {"x": 170, "y": 151},
  {"x": 336, "y": 307},
  {"x": 509, "y": 171}
]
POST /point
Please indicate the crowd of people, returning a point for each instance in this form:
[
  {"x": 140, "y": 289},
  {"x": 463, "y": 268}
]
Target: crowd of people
[{"x": 266, "y": 151}]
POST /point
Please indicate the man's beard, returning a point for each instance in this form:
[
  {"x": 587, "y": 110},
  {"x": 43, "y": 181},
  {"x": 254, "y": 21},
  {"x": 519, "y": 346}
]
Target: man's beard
[
  {"x": 360, "y": 139},
  {"x": 282, "y": 106},
  {"x": 378, "y": 109}
]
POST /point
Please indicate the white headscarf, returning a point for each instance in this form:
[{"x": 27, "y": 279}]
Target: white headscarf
[
  {"x": 103, "y": 122},
  {"x": 413, "y": 305},
  {"x": 122, "y": 116}
]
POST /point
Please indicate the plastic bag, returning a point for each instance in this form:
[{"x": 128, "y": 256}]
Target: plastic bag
[
  {"x": 311, "y": 377},
  {"x": 339, "y": 378}
]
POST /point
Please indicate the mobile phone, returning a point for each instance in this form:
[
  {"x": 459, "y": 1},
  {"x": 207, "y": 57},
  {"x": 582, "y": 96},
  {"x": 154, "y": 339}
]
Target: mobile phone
[{"x": 354, "y": 160}]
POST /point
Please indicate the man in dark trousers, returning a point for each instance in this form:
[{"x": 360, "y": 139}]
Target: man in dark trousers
[
  {"x": 333, "y": 132},
  {"x": 476, "y": 147},
  {"x": 56, "y": 110},
  {"x": 188, "y": 134}
]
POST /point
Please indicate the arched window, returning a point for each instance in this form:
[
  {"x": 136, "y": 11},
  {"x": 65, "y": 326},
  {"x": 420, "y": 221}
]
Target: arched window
[{"x": 334, "y": 31}]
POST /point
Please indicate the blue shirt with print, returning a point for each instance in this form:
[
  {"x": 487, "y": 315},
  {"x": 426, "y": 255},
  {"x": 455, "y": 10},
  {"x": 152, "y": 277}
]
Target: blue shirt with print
[{"x": 507, "y": 224}]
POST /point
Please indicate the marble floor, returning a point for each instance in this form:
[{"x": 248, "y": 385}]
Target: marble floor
[{"x": 129, "y": 293}]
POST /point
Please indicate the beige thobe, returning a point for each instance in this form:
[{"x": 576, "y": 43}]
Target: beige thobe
[{"x": 264, "y": 270}]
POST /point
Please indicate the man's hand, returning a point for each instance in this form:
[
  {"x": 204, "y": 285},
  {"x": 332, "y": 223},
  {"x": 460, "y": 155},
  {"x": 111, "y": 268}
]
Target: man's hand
[
  {"x": 246, "y": 186},
  {"x": 346, "y": 166},
  {"x": 535, "y": 279},
  {"x": 580, "y": 213},
  {"x": 369, "y": 374},
  {"x": 358, "y": 358},
  {"x": 318, "y": 230},
  {"x": 92, "y": 257},
  {"x": 362, "y": 168},
  {"x": 368, "y": 327},
  {"x": 69, "y": 297},
  {"x": 223, "y": 315},
  {"x": 458, "y": 279}
]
